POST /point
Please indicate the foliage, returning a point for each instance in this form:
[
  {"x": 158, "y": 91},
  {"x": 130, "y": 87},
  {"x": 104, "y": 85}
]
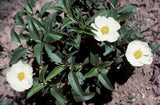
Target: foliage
[{"x": 69, "y": 63}]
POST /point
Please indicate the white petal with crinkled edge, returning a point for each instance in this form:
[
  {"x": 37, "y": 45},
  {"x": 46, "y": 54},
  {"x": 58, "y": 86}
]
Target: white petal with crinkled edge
[
  {"x": 147, "y": 56},
  {"x": 12, "y": 76},
  {"x": 113, "y": 25}
]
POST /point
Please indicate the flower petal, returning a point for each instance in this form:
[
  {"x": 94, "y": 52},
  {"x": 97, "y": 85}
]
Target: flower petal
[
  {"x": 12, "y": 78},
  {"x": 113, "y": 24}
]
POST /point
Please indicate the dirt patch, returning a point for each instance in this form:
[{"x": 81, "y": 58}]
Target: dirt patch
[{"x": 139, "y": 88}]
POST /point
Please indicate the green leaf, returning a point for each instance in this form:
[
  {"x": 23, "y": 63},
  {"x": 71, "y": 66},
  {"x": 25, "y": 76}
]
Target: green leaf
[
  {"x": 60, "y": 3},
  {"x": 94, "y": 59},
  {"x": 55, "y": 8},
  {"x": 105, "y": 81},
  {"x": 108, "y": 50},
  {"x": 104, "y": 65},
  {"x": 126, "y": 8},
  {"x": 18, "y": 53},
  {"x": 18, "y": 18},
  {"x": 48, "y": 21},
  {"x": 37, "y": 24},
  {"x": 98, "y": 13},
  {"x": 6, "y": 102},
  {"x": 45, "y": 7},
  {"x": 1, "y": 75},
  {"x": 72, "y": 61},
  {"x": 93, "y": 72},
  {"x": 28, "y": 7},
  {"x": 80, "y": 77},
  {"x": 15, "y": 37},
  {"x": 32, "y": 29},
  {"x": 35, "y": 81},
  {"x": 155, "y": 48},
  {"x": 68, "y": 57},
  {"x": 55, "y": 35},
  {"x": 73, "y": 80},
  {"x": 34, "y": 90},
  {"x": 42, "y": 73},
  {"x": 22, "y": 29},
  {"x": 82, "y": 31},
  {"x": 54, "y": 56},
  {"x": 32, "y": 2},
  {"x": 68, "y": 8},
  {"x": 66, "y": 22},
  {"x": 57, "y": 95},
  {"x": 126, "y": 15},
  {"x": 38, "y": 52},
  {"x": 55, "y": 72},
  {"x": 113, "y": 2},
  {"x": 112, "y": 13},
  {"x": 86, "y": 60},
  {"x": 80, "y": 98}
]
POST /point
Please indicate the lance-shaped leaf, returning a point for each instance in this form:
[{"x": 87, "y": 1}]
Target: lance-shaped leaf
[
  {"x": 18, "y": 18},
  {"x": 6, "y": 102},
  {"x": 57, "y": 95},
  {"x": 15, "y": 37},
  {"x": 32, "y": 2},
  {"x": 45, "y": 7},
  {"x": 80, "y": 98},
  {"x": 105, "y": 64},
  {"x": 105, "y": 81},
  {"x": 98, "y": 13},
  {"x": 126, "y": 15},
  {"x": 94, "y": 59},
  {"x": 55, "y": 8},
  {"x": 38, "y": 52},
  {"x": 32, "y": 29},
  {"x": 48, "y": 21},
  {"x": 93, "y": 72},
  {"x": 126, "y": 8},
  {"x": 42, "y": 73},
  {"x": 108, "y": 49},
  {"x": 55, "y": 72},
  {"x": 34, "y": 90},
  {"x": 82, "y": 31},
  {"x": 55, "y": 35},
  {"x": 68, "y": 57},
  {"x": 68, "y": 8},
  {"x": 28, "y": 7},
  {"x": 18, "y": 53},
  {"x": 22, "y": 29},
  {"x": 37, "y": 24},
  {"x": 60, "y": 3},
  {"x": 66, "y": 22},
  {"x": 113, "y": 2},
  {"x": 1, "y": 75},
  {"x": 54, "y": 56},
  {"x": 73, "y": 80},
  {"x": 155, "y": 48}
]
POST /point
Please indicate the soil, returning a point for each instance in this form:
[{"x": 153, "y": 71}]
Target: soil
[{"x": 142, "y": 88}]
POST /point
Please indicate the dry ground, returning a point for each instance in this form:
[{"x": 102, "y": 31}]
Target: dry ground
[{"x": 140, "y": 89}]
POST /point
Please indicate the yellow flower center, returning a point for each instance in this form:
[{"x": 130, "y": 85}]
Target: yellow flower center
[
  {"x": 21, "y": 75},
  {"x": 138, "y": 54},
  {"x": 105, "y": 30}
]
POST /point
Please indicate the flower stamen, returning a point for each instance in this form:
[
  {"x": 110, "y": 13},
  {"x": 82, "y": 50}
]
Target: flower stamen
[
  {"x": 105, "y": 30},
  {"x": 21, "y": 75},
  {"x": 138, "y": 54}
]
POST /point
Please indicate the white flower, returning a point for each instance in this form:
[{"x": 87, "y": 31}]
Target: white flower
[
  {"x": 139, "y": 53},
  {"x": 105, "y": 29},
  {"x": 19, "y": 76}
]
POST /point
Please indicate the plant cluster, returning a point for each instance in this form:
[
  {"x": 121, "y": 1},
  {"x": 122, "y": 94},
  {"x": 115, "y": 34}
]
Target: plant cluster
[{"x": 77, "y": 50}]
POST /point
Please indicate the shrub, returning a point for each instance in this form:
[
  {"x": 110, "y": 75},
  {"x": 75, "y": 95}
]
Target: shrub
[{"x": 78, "y": 49}]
